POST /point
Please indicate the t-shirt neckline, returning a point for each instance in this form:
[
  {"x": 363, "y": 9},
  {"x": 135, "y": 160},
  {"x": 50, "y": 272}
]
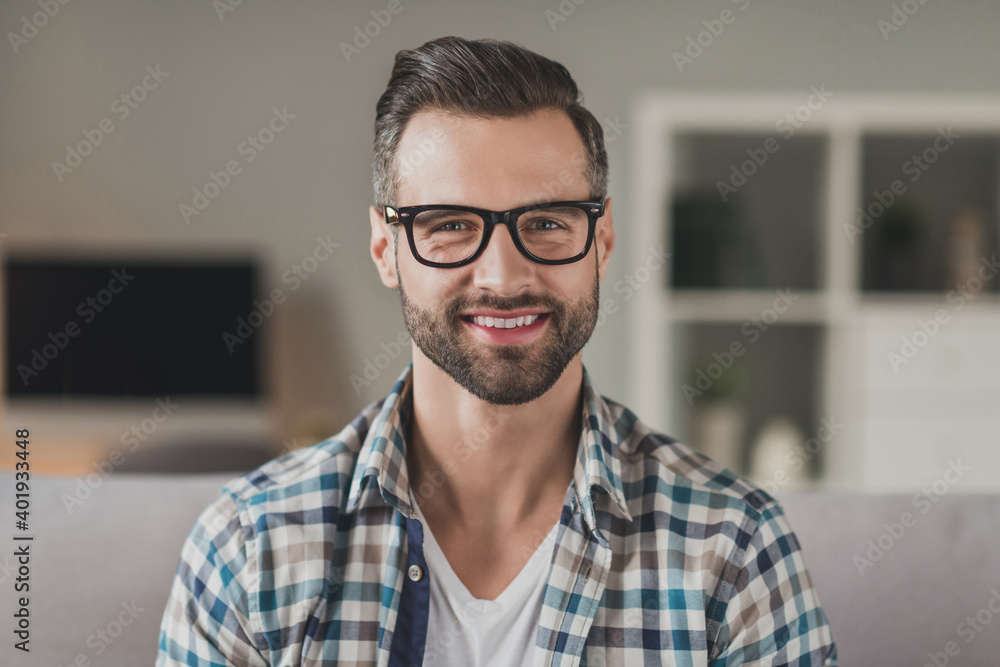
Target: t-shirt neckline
[{"x": 517, "y": 590}]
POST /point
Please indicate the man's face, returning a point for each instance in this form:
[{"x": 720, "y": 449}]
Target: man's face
[{"x": 498, "y": 164}]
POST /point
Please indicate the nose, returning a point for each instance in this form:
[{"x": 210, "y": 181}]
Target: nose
[{"x": 502, "y": 267}]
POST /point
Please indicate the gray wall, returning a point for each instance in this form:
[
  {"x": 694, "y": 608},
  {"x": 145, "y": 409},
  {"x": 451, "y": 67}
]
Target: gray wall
[{"x": 226, "y": 75}]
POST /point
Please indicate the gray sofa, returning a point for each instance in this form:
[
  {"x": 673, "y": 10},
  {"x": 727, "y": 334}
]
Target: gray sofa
[{"x": 99, "y": 575}]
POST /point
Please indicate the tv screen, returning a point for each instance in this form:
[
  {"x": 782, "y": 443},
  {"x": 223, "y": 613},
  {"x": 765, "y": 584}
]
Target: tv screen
[{"x": 120, "y": 327}]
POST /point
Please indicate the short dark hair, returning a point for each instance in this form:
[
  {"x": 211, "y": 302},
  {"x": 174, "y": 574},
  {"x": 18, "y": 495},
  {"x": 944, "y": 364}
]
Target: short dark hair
[{"x": 480, "y": 78}]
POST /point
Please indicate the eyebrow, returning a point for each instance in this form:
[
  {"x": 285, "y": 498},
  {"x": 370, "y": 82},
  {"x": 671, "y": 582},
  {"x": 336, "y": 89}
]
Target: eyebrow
[
  {"x": 525, "y": 207},
  {"x": 436, "y": 214}
]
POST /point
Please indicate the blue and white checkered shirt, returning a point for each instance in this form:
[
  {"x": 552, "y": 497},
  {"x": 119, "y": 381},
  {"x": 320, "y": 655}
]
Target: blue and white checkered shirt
[{"x": 661, "y": 556}]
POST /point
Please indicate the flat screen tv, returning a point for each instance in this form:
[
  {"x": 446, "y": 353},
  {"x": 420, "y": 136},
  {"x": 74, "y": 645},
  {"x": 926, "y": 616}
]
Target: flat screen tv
[{"x": 123, "y": 327}]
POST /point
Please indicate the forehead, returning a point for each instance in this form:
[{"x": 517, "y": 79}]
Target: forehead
[{"x": 494, "y": 163}]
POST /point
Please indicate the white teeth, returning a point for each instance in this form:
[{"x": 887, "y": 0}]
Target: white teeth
[{"x": 502, "y": 323}]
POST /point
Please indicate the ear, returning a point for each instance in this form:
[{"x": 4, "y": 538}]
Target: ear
[
  {"x": 604, "y": 239},
  {"x": 382, "y": 250}
]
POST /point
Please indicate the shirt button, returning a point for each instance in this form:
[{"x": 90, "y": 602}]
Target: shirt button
[{"x": 415, "y": 573}]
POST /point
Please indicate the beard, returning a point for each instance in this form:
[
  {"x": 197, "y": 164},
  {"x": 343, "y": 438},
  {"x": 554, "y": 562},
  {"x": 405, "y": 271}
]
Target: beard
[{"x": 503, "y": 374}]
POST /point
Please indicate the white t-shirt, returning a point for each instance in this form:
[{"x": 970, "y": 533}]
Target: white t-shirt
[{"x": 464, "y": 631}]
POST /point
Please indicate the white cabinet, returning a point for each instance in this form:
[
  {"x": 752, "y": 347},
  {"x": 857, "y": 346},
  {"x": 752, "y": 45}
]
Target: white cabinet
[
  {"x": 812, "y": 235},
  {"x": 931, "y": 393}
]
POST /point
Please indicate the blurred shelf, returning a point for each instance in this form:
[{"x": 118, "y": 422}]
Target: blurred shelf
[
  {"x": 751, "y": 205},
  {"x": 772, "y": 307},
  {"x": 928, "y": 300}
]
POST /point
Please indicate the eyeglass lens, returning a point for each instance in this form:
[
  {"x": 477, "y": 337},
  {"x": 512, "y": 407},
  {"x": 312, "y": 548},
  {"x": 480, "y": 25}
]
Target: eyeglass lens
[{"x": 444, "y": 235}]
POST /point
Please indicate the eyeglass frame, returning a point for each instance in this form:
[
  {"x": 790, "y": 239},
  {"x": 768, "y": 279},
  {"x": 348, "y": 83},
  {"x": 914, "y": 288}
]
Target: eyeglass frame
[{"x": 404, "y": 215}]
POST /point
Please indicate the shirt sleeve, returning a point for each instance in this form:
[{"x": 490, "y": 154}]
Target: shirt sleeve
[
  {"x": 206, "y": 620},
  {"x": 774, "y": 616}
]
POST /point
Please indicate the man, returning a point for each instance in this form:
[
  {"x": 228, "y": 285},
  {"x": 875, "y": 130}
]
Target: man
[{"x": 494, "y": 508}]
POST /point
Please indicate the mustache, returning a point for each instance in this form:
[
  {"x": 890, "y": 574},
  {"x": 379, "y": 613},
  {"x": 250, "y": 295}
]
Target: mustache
[{"x": 457, "y": 307}]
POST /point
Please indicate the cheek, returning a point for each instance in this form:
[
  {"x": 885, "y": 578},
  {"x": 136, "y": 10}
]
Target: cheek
[
  {"x": 430, "y": 288},
  {"x": 581, "y": 282}
]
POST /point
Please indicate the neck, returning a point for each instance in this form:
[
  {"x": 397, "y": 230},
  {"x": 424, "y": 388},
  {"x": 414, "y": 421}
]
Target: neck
[{"x": 475, "y": 462}]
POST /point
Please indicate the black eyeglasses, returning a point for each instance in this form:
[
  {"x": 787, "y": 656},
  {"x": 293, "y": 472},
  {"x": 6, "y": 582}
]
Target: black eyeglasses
[{"x": 446, "y": 236}]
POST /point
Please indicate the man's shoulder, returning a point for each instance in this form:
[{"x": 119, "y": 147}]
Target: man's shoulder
[
  {"x": 327, "y": 466},
  {"x": 654, "y": 462}
]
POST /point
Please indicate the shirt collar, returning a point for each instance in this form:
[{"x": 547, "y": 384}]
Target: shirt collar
[{"x": 383, "y": 454}]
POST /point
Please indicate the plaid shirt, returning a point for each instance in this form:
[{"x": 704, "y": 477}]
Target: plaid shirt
[{"x": 661, "y": 557}]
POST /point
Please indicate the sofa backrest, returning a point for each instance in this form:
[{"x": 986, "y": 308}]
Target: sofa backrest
[
  {"x": 900, "y": 575},
  {"x": 107, "y": 556},
  {"x": 99, "y": 559}
]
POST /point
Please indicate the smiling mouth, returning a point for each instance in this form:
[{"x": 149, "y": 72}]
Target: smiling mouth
[{"x": 504, "y": 323}]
